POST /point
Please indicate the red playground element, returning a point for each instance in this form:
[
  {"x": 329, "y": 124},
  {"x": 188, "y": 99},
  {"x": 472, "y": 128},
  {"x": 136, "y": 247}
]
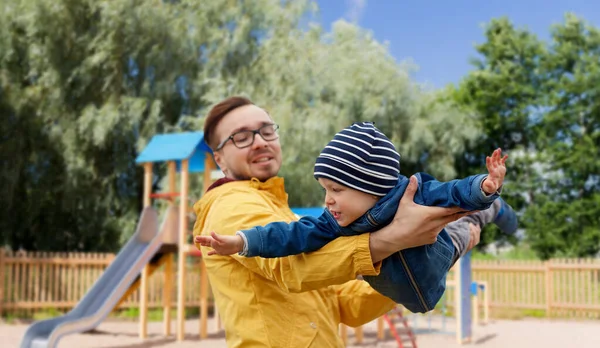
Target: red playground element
[
  {"x": 165, "y": 195},
  {"x": 391, "y": 318}
]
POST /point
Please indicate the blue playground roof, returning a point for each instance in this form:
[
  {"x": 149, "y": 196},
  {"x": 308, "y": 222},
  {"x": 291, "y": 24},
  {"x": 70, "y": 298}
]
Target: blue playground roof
[
  {"x": 177, "y": 147},
  {"x": 315, "y": 211}
]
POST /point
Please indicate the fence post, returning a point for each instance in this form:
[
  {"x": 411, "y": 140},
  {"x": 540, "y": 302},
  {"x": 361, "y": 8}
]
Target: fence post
[
  {"x": 2, "y": 251},
  {"x": 549, "y": 288}
]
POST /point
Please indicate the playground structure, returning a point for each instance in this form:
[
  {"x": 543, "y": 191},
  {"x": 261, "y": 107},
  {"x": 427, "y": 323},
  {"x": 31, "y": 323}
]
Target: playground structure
[
  {"x": 148, "y": 249},
  {"x": 186, "y": 153},
  {"x": 467, "y": 300},
  {"x": 152, "y": 247}
]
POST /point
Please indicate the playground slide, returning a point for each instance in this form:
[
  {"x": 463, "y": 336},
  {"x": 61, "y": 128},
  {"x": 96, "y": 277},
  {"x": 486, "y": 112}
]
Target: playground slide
[
  {"x": 155, "y": 263},
  {"x": 107, "y": 291}
]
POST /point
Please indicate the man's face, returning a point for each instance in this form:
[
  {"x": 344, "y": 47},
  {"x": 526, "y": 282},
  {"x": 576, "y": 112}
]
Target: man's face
[{"x": 260, "y": 160}]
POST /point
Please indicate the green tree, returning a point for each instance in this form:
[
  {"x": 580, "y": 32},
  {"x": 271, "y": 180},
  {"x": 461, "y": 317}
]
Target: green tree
[
  {"x": 565, "y": 217},
  {"x": 75, "y": 82},
  {"x": 538, "y": 102}
]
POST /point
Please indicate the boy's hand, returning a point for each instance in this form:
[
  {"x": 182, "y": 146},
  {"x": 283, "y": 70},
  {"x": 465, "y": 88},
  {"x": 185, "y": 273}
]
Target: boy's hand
[
  {"x": 497, "y": 170},
  {"x": 222, "y": 245}
]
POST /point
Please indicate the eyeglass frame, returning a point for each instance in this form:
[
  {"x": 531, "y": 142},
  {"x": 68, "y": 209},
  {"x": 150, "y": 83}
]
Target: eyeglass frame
[{"x": 254, "y": 132}]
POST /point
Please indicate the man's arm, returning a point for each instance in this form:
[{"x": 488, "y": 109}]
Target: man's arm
[
  {"x": 336, "y": 263},
  {"x": 359, "y": 303},
  {"x": 278, "y": 239}
]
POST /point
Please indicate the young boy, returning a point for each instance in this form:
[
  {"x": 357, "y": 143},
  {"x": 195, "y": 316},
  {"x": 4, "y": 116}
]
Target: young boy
[{"x": 359, "y": 171}]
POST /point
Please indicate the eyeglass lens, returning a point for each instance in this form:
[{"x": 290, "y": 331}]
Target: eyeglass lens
[{"x": 246, "y": 138}]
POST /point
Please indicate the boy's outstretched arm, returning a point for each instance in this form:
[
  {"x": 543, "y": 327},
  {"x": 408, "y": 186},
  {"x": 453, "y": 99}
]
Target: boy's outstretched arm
[
  {"x": 221, "y": 244},
  {"x": 475, "y": 192},
  {"x": 276, "y": 239}
]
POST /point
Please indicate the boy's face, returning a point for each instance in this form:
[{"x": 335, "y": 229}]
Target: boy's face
[{"x": 344, "y": 203}]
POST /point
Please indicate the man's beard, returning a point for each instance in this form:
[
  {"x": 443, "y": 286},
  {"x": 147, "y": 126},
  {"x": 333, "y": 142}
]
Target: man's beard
[
  {"x": 241, "y": 177},
  {"x": 238, "y": 177}
]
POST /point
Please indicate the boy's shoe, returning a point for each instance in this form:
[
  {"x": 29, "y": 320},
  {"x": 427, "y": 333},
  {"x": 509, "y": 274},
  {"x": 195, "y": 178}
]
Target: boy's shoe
[{"x": 506, "y": 219}]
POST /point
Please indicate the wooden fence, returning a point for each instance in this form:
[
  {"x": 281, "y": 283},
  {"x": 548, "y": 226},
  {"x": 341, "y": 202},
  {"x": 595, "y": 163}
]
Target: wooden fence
[
  {"x": 556, "y": 288},
  {"x": 32, "y": 282},
  {"x": 38, "y": 281}
]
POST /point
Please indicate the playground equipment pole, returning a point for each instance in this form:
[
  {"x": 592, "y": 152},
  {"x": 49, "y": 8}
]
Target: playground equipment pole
[
  {"x": 479, "y": 288},
  {"x": 146, "y": 271},
  {"x": 344, "y": 333},
  {"x": 183, "y": 226},
  {"x": 463, "y": 299},
  {"x": 209, "y": 166},
  {"x": 168, "y": 286},
  {"x": 486, "y": 303},
  {"x": 380, "y": 328}
]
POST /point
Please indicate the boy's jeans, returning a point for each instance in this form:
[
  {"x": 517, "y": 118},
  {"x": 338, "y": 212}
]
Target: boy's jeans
[{"x": 415, "y": 277}]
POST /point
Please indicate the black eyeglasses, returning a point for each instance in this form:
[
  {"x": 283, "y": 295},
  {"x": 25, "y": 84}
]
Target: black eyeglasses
[{"x": 245, "y": 138}]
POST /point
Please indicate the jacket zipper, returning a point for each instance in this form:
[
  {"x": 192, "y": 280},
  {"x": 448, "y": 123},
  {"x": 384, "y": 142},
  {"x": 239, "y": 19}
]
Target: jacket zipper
[
  {"x": 412, "y": 280},
  {"x": 406, "y": 269}
]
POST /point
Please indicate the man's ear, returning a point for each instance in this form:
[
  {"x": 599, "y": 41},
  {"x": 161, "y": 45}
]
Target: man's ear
[{"x": 219, "y": 160}]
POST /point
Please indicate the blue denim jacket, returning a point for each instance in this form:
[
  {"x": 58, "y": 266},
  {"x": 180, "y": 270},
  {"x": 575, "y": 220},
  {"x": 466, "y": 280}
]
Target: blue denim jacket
[{"x": 415, "y": 277}]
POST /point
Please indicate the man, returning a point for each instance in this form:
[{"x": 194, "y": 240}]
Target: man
[{"x": 296, "y": 301}]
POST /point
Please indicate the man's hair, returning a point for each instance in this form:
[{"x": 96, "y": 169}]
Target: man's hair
[{"x": 216, "y": 114}]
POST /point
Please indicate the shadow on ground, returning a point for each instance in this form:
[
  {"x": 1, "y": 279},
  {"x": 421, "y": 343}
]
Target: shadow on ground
[{"x": 152, "y": 340}]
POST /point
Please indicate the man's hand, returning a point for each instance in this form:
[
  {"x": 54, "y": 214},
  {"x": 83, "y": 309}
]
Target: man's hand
[
  {"x": 497, "y": 170},
  {"x": 413, "y": 225},
  {"x": 222, "y": 245}
]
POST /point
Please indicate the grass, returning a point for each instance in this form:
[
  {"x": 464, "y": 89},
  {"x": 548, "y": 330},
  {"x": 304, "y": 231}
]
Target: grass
[
  {"x": 155, "y": 314},
  {"x": 500, "y": 313},
  {"x": 128, "y": 314},
  {"x": 133, "y": 313},
  {"x": 18, "y": 317},
  {"x": 46, "y": 314},
  {"x": 520, "y": 252},
  {"x": 10, "y": 319}
]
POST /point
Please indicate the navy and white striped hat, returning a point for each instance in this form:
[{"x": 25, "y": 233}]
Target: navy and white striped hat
[{"x": 360, "y": 157}]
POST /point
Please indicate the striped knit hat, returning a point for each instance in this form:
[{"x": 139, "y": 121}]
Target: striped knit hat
[{"x": 360, "y": 157}]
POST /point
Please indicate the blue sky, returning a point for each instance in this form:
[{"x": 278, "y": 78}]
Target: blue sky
[{"x": 439, "y": 35}]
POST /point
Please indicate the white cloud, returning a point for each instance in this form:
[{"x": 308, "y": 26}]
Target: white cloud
[{"x": 355, "y": 9}]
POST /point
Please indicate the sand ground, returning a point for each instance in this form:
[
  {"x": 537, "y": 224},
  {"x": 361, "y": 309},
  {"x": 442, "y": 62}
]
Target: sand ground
[{"x": 497, "y": 334}]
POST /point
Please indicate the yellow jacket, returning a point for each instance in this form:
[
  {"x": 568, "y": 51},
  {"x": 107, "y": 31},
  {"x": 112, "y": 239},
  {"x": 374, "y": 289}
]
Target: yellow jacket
[{"x": 295, "y": 301}]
